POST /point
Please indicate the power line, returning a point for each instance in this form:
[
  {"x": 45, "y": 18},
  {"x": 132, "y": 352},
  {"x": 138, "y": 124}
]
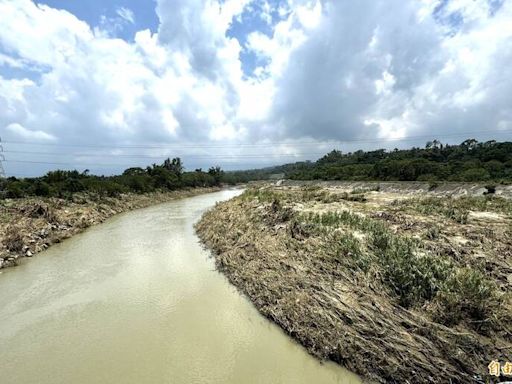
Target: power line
[
  {"x": 68, "y": 164},
  {"x": 260, "y": 155},
  {"x": 262, "y": 144},
  {"x": 226, "y": 158},
  {"x": 96, "y": 165}
]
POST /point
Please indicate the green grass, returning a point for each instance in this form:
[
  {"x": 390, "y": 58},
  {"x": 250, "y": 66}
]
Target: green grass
[
  {"x": 466, "y": 293},
  {"x": 346, "y": 249},
  {"x": 433, "y": 232},
  {"x": 413, "y": 274}
]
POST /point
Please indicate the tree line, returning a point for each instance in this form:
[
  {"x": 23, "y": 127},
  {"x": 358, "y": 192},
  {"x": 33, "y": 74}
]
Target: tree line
[
  {"x": 470, "y": 161},
  {"x": 164, "y": 177}
]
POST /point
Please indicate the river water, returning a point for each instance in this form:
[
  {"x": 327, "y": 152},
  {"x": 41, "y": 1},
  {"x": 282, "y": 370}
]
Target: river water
[{"x": 137, "y": 300}]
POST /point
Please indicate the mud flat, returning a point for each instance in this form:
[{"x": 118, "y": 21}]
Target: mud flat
[
  {"x": 31, "y": 225},
  {"x": 398, "y": 287}
]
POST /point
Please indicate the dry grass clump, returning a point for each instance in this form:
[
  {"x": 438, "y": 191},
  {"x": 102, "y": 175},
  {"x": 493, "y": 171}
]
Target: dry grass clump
[
  {"x": 40, "y": 211},
  {"x": 359, "y": 290},
  {"x": 13, "y": 239},
  {"x": 365, "y": 190}
]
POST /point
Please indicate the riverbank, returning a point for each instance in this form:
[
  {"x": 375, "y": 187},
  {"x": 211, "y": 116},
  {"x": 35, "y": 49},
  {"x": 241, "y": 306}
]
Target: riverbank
[
  {"x": 396, "y": 286},
  {"x": 31, "y": 225}
]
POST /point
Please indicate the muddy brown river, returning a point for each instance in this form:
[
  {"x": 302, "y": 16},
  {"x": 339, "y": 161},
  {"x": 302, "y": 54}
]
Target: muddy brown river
[{"x": 137, "y": 300}]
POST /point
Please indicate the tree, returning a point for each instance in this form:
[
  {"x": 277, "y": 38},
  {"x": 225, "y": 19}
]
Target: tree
[
  {"x": 469, "y": 144},
  {"x": 134, "y": 171},
  {"x": 217, "y": 173},
  {"x": 332, "y": 157},
  {"x": 475, "y": 174},
  {"x": 174, "y": 166},
  {"x": 41, "y": 188}
]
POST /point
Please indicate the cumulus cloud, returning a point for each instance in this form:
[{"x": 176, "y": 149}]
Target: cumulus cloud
[
  {"x": 394, "y": 68},
  {"x": 328, "y": 70},
  {"x": 25, "y": 133},
  {"x": 100, "y": 87}
]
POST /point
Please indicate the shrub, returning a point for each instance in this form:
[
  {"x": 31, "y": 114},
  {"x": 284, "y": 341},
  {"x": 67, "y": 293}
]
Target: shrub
[
  {"x": 432, "y": 185},
  {"x": 467, "y": 293},
  {"x": 380, "y": 239},
  {"x": 413, "y": 277},
  {"x": 14, "y": 191},
  {"x": 346, "y": 249},
  {"x": 458, "y": 215},
  {"x": 432, "y": 232},
  {"x": 357, "y": 191},
  {"x": 359, "y": 198},
  {"x": 41, "y": 189}
]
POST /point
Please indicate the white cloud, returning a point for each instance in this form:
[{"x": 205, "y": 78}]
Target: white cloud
[
  {"x": 24, "y": 133},
  {"x": 309, "y": 15},
  {"x": 328, "y": 71},
  {"x": 39, "y": 33},
  {"x": 393, "y": 64}
]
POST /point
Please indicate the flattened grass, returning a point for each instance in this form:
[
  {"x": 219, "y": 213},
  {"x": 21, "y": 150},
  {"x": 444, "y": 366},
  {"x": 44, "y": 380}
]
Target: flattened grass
[
  {"x": 412, "y": 273},
  {"x": 360, "y": 289}
]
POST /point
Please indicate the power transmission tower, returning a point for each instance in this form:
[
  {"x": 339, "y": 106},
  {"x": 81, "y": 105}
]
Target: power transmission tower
[{"x": 2, "y": 159}]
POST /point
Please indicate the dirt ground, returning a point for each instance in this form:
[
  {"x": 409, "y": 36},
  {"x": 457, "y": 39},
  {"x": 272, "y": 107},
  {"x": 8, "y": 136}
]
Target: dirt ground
[
  {"x": 399, "y": 286},
  {"x": 31, "y": 225}
]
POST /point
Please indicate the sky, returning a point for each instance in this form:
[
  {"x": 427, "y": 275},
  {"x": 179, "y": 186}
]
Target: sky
[{"x": 109, "y": 84}]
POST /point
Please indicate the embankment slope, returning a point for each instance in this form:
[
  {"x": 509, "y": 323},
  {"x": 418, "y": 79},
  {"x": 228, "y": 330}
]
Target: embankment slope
[
  {"x": 31, "y": 225},
  {"x": 395, "y": 287}
]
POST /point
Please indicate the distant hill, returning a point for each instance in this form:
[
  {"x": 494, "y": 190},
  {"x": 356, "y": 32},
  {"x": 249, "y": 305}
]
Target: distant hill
[{"x": 470, "y": 161}]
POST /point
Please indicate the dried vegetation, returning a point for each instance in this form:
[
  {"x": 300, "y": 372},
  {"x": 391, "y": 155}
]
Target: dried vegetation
[
  {"x": 30, "y": 225},
  {"x": 396, "y": 287}
]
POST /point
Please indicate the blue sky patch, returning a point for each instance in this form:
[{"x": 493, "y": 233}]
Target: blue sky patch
[
  {"x": 97, "y": 12},
  {"x": 254, "y": 18},
  {"x": 495, "y": 6},
  {"x": 25, "y": 70}
]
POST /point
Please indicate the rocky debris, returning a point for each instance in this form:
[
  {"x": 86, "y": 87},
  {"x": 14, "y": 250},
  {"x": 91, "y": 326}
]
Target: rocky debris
[{"x": 31, "y": 225}]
